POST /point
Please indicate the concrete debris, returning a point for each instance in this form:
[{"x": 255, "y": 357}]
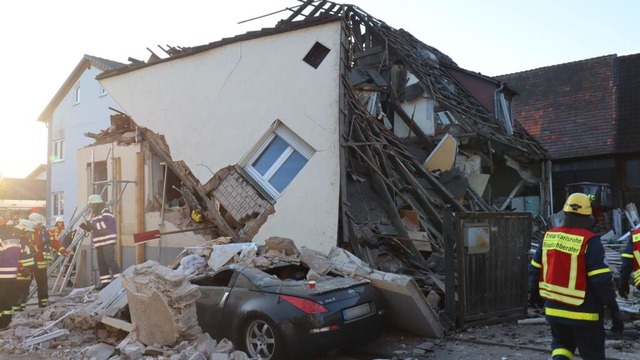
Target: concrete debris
[
  {"x": 162, "y": 304},
  {"x": 100, "y": 351}
]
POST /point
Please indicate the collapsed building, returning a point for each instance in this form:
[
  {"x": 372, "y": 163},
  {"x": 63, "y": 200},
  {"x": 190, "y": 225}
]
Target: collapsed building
[{"x": 332, "y": 129}]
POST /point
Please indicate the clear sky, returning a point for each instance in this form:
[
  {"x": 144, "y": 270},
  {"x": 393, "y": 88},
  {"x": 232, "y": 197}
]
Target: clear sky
[{"x": 43, "y": 40}]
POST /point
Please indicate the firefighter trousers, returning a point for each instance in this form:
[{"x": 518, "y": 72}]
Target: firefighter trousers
[
  {"x": 7, "y": 299},
  {"x": 40, "y": 274},
  {"x": 22, "y": 292}
]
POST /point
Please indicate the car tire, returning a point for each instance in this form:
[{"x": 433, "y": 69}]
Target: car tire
[{"x": 260, "y": 339}]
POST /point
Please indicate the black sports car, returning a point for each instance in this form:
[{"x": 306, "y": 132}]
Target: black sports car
[{"x": 271, "y": 318}]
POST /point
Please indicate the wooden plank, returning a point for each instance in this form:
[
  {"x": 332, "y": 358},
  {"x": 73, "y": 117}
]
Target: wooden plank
[
  {"x": 117, "y": 323},
  {"x": 140, "y": 223}
]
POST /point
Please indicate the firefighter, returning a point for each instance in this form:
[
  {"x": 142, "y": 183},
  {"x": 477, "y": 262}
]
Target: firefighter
[
  {"x": 40, "y": 247},
  {"x": 104, "y": 236},
  {"x": 24, "y": 232},
  {"x": 630, "y": 264},
  {"x": 9, "y": 260},
  {"x": 569, "y": 271}
]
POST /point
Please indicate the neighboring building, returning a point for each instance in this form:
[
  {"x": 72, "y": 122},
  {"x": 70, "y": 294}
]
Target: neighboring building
[
  {"x": 587, "y": 115},
  {"x": 265, "y": 130},
  {"x": 80, "y": 106},
  {"x": 39, "y": 173},
  {"x": 21, "y": 197}
]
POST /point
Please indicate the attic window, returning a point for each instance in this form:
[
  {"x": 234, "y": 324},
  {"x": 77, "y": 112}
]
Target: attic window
[
  {"x": 278, "y": 160},
  {"x": 316, "y": 55}
]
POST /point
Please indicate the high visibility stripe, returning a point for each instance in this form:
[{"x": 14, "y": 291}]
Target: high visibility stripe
[
  {"x": 8, "y": 276},
  {"x": 573, "y": 272},
  {"x": 562, "y": 352},
  {"x": 8, "y": 269},
  {"x": 628, "y": 256},
  {"x": 636, "y": 237},
  {"x": 599, "y": 271},
  {"x": 561, "y": 298},
  {"x": 636, "y": 254},
  {"x": 562, "y": 290},
  {"x": 572, "y": 314},
  {"x": 535, "y": 264}
]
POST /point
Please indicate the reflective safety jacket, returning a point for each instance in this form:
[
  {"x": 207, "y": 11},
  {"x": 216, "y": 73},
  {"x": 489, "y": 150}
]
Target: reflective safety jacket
[
  {"x": 631, "y": 258},
  {"x": 9, "y": 258},
  {"x": 27, "y": 263},
  {"x": 572, "y": 276},
  {"x": 103, "y": 228}
]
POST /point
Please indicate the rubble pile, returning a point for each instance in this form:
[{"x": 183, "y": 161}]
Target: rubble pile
[{"x": 162, "y": 304}]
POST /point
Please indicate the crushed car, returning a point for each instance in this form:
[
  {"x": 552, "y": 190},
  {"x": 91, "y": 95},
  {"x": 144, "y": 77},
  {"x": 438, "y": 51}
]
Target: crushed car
[{"x": 279, "y": 314}]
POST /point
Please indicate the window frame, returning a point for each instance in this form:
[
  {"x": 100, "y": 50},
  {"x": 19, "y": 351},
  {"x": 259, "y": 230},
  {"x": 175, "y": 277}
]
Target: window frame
[
  {"x": 57, "y": 203},
  {"x": 295, "y": 144},
  {"x": 57, "y": 150},
  {"x": 76, "y": 95}
]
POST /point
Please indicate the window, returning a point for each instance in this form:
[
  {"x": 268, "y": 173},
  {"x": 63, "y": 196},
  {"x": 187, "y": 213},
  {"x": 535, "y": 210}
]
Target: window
[
  {"x": 278, "y": 160},
  {"x": 57, "y": 153},
  {"x": 633, "y": 173},
  {"x": 316, "y": 55},
  {"x": 58, "y": 204},
  {"x": 503, "y": 112},
  {"x": 76, "y": 94}
]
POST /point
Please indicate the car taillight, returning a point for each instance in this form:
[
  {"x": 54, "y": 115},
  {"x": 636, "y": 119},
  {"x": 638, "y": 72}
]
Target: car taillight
[{"x": 308, "y": 306}]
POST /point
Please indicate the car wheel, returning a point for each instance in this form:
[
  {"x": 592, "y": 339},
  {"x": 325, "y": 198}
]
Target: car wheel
[{"x": 261, "y": 340}]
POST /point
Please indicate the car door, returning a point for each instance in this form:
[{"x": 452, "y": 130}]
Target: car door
[{"x": 214, "y": 292}]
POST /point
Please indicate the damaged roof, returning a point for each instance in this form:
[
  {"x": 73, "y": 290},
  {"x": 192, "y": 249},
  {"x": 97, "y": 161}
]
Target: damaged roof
[
  {"x": 382, "y": 176},
  {"x": 423, "y": 60}
]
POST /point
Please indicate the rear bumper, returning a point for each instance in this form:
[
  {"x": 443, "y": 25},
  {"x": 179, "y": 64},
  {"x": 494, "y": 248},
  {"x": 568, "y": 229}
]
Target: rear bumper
[{"x": 301, "y": 342}]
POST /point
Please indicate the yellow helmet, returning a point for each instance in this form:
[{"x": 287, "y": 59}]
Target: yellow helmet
[{"x": 578, "y": 203}]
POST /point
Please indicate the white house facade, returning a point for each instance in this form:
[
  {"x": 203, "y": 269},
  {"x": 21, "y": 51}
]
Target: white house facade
[
  {"x": 251, "y": 104},
  {"x": 80, "y": 106}
]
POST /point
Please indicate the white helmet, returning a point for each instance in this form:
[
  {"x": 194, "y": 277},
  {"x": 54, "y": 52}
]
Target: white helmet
[
  {"x": 59, "y": 219},
  {"x": 26, "y": 225},
  {"x": 10, "y": 223},
  {"x": 38, "y": 219},
  {"x": 95, "y": 199}
]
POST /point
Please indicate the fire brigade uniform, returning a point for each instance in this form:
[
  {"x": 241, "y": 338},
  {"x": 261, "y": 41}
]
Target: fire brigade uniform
[
  {"x": 570, "y": 272},
  {"x": 9, "y": 259},
  {"x": 42, "y": 255},
  {"x": 25, "y": 274},
  {"x": 104, "y": 235},
  {"x": 630, "y": 264}
]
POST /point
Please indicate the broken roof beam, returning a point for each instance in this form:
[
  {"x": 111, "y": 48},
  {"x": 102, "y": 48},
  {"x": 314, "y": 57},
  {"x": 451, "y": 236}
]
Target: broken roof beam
[
  {"x": 211, "y": 211},
  {"x": 423, "y": 197},
  {"x": 379, "y": 184}
]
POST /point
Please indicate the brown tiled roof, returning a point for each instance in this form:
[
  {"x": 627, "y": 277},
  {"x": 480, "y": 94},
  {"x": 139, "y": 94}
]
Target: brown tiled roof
[
  {"x": 22, "y": 189},
  {"x": 569, "y": 108},
  {"x": 628, "y": 104}
]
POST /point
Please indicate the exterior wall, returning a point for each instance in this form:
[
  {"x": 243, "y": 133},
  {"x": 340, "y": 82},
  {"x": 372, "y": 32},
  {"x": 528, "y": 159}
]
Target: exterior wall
[
  {"x": 70, "y": 122},
  {"x": 215, "y": 107}
]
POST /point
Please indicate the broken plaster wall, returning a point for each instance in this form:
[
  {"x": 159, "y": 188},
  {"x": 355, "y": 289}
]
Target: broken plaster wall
[
  {"x": 420, "y": 109},
  {"x": 124, "y": 211},
  {"x": 215, "y": 107}
]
